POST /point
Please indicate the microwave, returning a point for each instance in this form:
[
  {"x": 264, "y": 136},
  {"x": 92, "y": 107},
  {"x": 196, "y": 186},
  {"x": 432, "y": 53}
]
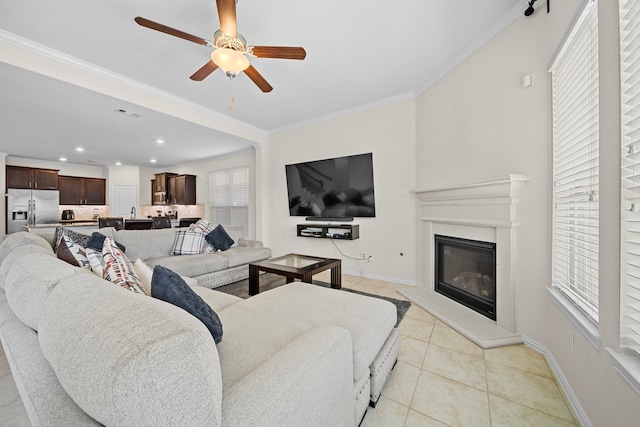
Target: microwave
[{"x": 160, "y": 198}]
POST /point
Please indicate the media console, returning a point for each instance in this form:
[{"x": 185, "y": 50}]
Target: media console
[{"x": 329, "y": 231}]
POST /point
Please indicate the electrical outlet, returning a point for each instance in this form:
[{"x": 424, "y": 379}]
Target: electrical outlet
[
  {"x": 361, "y": 255},
  {"x": 571, "y": 341},
  {"x": 370, "y": 258}
]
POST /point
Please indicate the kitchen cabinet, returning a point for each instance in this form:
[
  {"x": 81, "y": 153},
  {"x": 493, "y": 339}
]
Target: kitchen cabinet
[
  {"x": 75, "y": 190},
  {"x": 182, "y": 190},
  {"x": 32, "y": 178},
  {"x": 161, "y": 181}
]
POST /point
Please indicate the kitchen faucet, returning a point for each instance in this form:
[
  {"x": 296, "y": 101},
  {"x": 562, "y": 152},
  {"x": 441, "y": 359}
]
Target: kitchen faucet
[{"x": 133, "y": 212}]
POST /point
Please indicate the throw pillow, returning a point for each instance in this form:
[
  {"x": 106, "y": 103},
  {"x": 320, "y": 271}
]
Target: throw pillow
[
  {"x": 187, "y": 243},
  {"x": 79, "y": 238},
  {"x": 169, "y": 287},
  {"x": 72, "y": 253},
  {"x": 118, "y": 268},
  {"x": 219, "y": 238},
  {"x": 144, "y": 272},
  {"x": 96, "y": 261},
  {"x": 205, "y": 227},
  {"x": 96, "y": 241}
]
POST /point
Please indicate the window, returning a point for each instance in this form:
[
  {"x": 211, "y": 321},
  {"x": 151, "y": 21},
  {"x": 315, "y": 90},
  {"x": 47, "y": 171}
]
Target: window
[
  {"x": 574, "y": 75},
  {"x": 630, "y": 210},
  {"x": 229, "y": 197}
]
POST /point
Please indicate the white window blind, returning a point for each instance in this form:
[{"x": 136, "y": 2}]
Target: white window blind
[
  {"x": 229, "y": 197},
  {"x": 630, "y": 239},
  {"x": 576, "y": 165}
]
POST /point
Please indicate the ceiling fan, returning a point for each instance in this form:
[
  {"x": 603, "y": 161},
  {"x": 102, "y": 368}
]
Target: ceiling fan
[{"x": 231, "y": 49}]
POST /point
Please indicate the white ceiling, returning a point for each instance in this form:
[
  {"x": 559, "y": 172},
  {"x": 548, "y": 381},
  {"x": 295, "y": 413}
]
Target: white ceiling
[{"x": 358, "y": 53}]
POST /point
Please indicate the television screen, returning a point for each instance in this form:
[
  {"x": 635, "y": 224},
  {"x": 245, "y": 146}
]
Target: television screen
[{"x": 340, "y": 187}]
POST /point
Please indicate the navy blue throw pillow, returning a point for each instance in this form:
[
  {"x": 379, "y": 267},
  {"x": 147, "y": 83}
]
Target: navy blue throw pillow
[
  {"x": 97, "y": 240},
  {"x": 170, "y": 287},
  {"x": 219, "y": 238}
]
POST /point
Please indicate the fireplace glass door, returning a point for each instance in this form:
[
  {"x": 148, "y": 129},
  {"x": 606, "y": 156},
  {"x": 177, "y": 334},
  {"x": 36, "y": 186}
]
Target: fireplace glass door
[{"x": 465, "y": 271}]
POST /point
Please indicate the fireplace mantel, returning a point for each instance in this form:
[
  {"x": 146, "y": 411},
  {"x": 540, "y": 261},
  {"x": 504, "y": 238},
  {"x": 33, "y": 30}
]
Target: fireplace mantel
[{"x": 485, "y": 210}]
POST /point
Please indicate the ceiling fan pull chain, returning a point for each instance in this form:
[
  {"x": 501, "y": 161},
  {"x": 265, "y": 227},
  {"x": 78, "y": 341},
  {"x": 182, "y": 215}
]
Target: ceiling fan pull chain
[{"x": 233, "y": 98}]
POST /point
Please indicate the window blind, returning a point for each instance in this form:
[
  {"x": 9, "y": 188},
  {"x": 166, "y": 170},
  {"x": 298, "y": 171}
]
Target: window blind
[
  {"x": 574, "y": 75},
  {"x": 630, "y": 174},
  {"x": 229, "y": 197}
]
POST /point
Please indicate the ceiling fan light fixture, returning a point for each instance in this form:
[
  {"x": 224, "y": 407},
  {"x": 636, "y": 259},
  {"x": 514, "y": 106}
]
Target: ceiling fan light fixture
[{"x": 231, "y": 61}]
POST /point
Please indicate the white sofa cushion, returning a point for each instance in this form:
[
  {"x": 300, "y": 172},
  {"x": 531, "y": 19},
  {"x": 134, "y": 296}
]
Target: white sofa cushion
[
  {"x": 191, "y": 265},
  {"x": 301, "y": 306},
  {"x": 146, "y": 244},
  {"x": 30, "y": 281},
  {"x": 166, "y": 360},
  {"x": 21, "y": 238},
  {"x": 244, "y": 255}
]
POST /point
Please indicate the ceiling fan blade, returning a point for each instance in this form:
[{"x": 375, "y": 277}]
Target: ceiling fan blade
[
  {"x": 281, "y": 52},
  {"x": 227, "y": 16},
  {"x": 171, "y": 31},
  {"x": 204, "y": 71},
  {"x": 257, "y": 78}
]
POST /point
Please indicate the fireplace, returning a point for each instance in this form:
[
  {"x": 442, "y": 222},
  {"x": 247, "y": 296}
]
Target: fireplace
[{"x": 465, "y": 271}]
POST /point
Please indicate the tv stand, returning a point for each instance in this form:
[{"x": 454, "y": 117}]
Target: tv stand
[
  {"x": 330, "y": 218},
  {"x": 329, "y": 231}
]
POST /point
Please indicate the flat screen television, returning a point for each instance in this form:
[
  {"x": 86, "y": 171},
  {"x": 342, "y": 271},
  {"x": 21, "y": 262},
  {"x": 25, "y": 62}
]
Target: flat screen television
[{"x": 339, "y": 188}]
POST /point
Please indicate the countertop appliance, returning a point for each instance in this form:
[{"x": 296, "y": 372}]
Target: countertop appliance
[
  {"x": 30, "y": 208},
  {"x": 68, "y": 214}
]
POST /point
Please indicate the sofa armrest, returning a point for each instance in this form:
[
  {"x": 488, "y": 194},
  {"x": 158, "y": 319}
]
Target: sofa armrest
[
  {"x": 247, "y": 243},
  {"x": 308, "y": 382}
]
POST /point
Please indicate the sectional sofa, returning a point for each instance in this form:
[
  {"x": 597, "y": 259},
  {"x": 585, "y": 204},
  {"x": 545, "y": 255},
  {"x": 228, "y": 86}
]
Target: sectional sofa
[
  {"x": 154, "y": 246},
  {"x": 84, "y": 351}
]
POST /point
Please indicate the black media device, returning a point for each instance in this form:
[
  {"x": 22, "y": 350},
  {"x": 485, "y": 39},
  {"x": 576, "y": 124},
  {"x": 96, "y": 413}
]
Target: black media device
[{"x": 336, "y": 189}]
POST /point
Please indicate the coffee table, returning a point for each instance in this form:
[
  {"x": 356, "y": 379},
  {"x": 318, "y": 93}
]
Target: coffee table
[{"x": 295, "y": 266}]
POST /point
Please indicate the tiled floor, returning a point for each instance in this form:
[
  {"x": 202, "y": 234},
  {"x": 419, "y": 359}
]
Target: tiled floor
[{"x": 441, "y": 379}]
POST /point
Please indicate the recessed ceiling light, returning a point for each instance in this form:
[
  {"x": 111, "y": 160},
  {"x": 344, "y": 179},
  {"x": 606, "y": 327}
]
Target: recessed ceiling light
[
  {"x": 160, "y": 141},
  {"x": 118, "y": 163},
  {"x": 63, "y": 159},
  {"x": 79, "y": 149},
  {"x": 152, "y": 160}
]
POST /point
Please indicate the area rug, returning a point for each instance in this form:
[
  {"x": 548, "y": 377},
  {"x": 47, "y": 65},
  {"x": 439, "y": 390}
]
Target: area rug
[{"x": 270, "y": 281}]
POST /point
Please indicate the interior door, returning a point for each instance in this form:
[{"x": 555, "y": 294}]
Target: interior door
[{"x": 124, "y": 197}]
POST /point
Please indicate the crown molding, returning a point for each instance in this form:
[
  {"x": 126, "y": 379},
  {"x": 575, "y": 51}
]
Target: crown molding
[
  {"x": 507, "y": 19},
  {"x": 348, "y": 111}
]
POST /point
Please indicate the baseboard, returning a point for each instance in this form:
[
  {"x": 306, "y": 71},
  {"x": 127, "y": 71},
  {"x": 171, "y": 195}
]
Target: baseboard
[
  {"x": 576, "y": 407},
  {"x": 383, "y": 278}
]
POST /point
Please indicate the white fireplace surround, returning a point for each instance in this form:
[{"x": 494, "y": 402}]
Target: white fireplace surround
[{"x": 482, "y": 210}]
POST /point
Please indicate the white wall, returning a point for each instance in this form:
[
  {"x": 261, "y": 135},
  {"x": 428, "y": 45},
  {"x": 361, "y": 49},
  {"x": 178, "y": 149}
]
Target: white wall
[
  {"x": 389, "y": 133},
  {"x": 202, "y": 170},
  {"x": 479, "y": 122}
]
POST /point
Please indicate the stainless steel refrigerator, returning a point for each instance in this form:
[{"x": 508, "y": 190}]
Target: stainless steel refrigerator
[{"x": 30, "y": 208}]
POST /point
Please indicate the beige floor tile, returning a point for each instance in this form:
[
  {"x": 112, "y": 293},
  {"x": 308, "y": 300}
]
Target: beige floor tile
[
  {"x": 389, "y": 291},
  {"x": 9, "y": 395},
  {"x": 446, "y": 337},
  {"x": 454, "y": 365},
  {"x": 387, "y": 413},
  {"x": 520, "y": 357},
  {"x": 507, "y": 414},
  {"x": 417, "y": 313},
  {"x": 401, "y": 383},
  {"x": 367, "y": 285},
  {"x": 450, "y": 402},
  {"x": 416, "y": 329},
  {"x": 416, "y": 419},
  {"x": 527, "y": 389},
  {"x": 412, "y": 351}
]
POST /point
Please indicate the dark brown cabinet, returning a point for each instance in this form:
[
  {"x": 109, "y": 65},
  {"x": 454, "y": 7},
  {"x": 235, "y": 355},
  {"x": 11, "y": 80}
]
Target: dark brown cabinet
[
  {"x": 34, "y": 178},
  {"x": 162, "y": 181},
  {"x": 182, "y": 190},
  {"x": 75, "y": 190}
]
